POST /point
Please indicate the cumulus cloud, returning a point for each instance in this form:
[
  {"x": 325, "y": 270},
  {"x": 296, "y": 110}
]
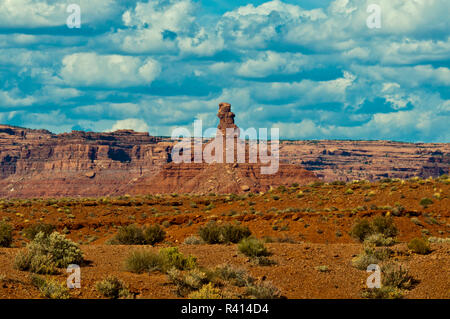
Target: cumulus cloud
[
  {"x": 51, "y": 13},
  {"x": 306, "y": 91},
  {"x": 13, "y": 98},
  {"x": 91, "y": 69},
  {"x": 137, "y": 125},
  {"x": 316, "y": 73},
  {"x": 268, "y": 63}
]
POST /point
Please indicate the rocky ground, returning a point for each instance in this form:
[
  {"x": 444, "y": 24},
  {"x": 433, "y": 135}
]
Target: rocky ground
[{"x": 305, "y": 227}]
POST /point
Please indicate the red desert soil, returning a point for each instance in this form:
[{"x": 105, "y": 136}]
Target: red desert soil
[{"x": 308, "y": 226}]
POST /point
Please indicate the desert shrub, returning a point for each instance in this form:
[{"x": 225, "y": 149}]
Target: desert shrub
[
  {"x": 237, "y": 277},
  {"x": 167, "y": 258},
  {"x": 382, "y": 293},
  {"x": 234, "y": 233},
  {"x": 438, "y": 240},
  {"x": 361, "y": 229},
  {"x": 193, "y": 240},
  {"x": 5, "y": 234},
  {"x": 153, "y": 234},
  {"x": 143, "y": 261},
  {"x": 416, "y": 221},
  {"x": 253, "y": 247},
  {"x": 50, "y": 289},
  {"x": 129, "y": 235},
  {"x": 379, "y": 240},
  {"x": 171, "y": 257},
  {"x": 396, "y": 276},
  {"x": 263, "y": 290},
  {"x": 384, "y": 225},
  {"x": 212, "y": 233},
  {"x": 425, "y": 202},
  {"x": 134, "y": 235},
  {"x": 46, "y": 253},
  {"x": 31, "y": 231},
  {"x": 263, "y": 261},
  {"x": 196, "y": 278},
  {"x": 113, "y": 288},
  {"x": 371, "y": 255},
  {"x": 208, "y": 291},
  {"x": 323, "y": 268},
  {"x": 186, "y": 283},
  {"x": 419, "y": 246}
]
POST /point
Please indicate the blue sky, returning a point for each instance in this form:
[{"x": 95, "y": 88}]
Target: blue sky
[{"x": 311, "y": 68}]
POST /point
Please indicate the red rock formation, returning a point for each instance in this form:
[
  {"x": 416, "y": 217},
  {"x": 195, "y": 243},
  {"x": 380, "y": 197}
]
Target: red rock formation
[
  {"x": 371, "y": 160},
  {"x": 225, "y": 176},
  {"x": 35, "y": 163},
  {"x": 226, "y": 123}
]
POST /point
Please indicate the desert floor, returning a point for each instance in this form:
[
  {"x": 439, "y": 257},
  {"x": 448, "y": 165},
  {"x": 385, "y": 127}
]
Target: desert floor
[{"x": 304, "y": 226}]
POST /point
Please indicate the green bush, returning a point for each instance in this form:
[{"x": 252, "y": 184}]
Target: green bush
[
  {"x": 382, "y": 293},
  {"x": 371, "y": 255},
  {"x": 193, "y": 240},
  {"x": 143, "y": 261},
  {"x": 385, "y": 226},
  {"x": 5, "y": 234},
  {"x": 112, "y": 288},
  {"x": 186, "y": 283},
  {"x": 396, "y": 276},
  {"x": 379, "y": 240},
  {"x": 253, "y": 247},
  {"x": 129, "y": 235},
  {"x": 133, "y": 235},
  {"x": 167, "y": 258},
  {"x": 263, "y": 290},
  {"x": 154, "y": 234},
  {"x": 361, "y": 229},
  {"x": 171, "y": 257},
  {"x": 50, "y": 289},
  {"x": 212, "y": 233},
  {"x": 31, "y": 231},
  {"x": 425, "y": 202},
  {"x": 349, "y": 191},
  {"x": 419, "y": 246},
  {"x": 208, "y": 291},
  {"x": 237, "y": 277},
  {"x": 234, "y": 233},
  {"x": 46, "y": 253}
]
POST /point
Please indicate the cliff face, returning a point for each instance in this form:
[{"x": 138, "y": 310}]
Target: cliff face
[
  {"x": 39, "y": 163},
  {"x": 371, "y": 160},
  {"x": 35, "y": 163}
]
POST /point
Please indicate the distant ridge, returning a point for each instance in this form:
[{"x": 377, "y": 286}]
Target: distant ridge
[{"x": 38, "y": 163}]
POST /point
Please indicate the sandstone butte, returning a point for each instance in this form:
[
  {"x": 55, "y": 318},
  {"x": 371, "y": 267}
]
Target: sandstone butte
[{"x": 38, "y": 163}]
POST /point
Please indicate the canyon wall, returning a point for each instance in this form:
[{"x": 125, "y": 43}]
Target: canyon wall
[{"x": 37, "y": 163}]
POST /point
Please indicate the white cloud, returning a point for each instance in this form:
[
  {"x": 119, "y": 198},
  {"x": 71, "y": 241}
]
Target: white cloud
[
  {"x": 13, "y": 99},
  {"x": 267, "y": 63},
  {"x": 173, "y": 15},
  {"x": 307, "y": 91},
  {"x": 137, "y": 125},
  {"x": 50, "y": 13},
  {"x": 91, "y": 69}
]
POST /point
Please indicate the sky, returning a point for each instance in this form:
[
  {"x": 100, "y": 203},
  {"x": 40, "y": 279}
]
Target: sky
[{"x": 312, "y": 68}]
